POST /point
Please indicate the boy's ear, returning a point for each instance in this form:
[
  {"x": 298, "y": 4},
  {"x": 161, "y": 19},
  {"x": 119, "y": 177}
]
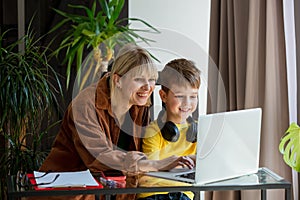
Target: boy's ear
[{"x": 163, "y": 95}]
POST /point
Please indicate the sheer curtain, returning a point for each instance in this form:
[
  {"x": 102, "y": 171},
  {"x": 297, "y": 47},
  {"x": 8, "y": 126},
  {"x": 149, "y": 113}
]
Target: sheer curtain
[
  {"x": 248, "y": 47},
  {"x": 290, "y": 17},
  {"x": 297, "y": 53}
]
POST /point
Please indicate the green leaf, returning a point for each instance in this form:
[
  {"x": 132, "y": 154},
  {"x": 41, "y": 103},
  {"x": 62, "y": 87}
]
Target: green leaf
[
  {"x": 58, "y": 25},
  {"x": 88, "y": 33},
  {"x": 89, "y": 12},
  {"x": 118, "y": 6},
  {"x": 289, "y": 146},
  {"x": 105, "y": 8}
]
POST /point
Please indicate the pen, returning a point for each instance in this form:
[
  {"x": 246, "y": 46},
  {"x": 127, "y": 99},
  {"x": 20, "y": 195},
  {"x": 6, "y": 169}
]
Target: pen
[{"x": 108, "y": 183}]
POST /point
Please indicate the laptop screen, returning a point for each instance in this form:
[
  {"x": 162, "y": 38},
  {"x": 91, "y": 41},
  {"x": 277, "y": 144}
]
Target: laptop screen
[{"x": 228, "y": 145}]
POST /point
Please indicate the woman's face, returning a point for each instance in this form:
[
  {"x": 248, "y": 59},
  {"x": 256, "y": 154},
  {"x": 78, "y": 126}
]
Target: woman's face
[
  {"x": 180, "y": 101},
  {"x": 137, "y": 88}
]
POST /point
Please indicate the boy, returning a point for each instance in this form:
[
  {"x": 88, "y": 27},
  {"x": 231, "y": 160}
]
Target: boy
[{"x": 174, "y": 132}]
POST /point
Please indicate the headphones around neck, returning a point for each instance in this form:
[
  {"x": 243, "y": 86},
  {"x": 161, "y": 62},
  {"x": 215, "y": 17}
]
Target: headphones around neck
[{"x": 170, "y": 131}]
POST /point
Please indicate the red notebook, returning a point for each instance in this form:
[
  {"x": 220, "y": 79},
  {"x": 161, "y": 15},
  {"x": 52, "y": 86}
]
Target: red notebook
[{"x": 33, "y": 182}]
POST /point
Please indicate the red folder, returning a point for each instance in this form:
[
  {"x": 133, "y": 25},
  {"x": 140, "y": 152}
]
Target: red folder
[{"x": 33, "y": 182}]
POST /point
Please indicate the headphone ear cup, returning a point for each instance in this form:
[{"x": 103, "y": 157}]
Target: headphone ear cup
[
  {"x": 191, "y": 134},
  {"x": 169, "y": 130}
]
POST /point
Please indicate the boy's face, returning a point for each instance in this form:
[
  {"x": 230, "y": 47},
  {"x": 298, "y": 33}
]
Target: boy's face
[{"x": 181, "y": 102}]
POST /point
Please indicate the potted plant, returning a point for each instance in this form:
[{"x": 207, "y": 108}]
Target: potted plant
[
  {"x": 289, "y": 146},
  {"x": 99, "y": 32},
  {"x": 28, "y": 88}
]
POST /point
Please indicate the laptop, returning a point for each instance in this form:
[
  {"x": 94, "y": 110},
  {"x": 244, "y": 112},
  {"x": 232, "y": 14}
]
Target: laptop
[{"x": 228, "y": 147}]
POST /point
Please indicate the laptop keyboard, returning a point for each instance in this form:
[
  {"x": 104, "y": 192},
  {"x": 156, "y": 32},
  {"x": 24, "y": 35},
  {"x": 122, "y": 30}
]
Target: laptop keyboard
[{"x": 188, "y": 175}]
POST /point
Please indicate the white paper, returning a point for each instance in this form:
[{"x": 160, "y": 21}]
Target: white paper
[{"x": 66, "y": 179}]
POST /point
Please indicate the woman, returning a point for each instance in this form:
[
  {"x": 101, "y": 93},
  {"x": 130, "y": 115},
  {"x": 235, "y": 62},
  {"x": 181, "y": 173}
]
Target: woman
[{"x": 103, "y": 126}]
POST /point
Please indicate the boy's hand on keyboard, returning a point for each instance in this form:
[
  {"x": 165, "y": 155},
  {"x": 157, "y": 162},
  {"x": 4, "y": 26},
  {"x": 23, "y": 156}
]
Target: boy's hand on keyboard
[{"x": 176, "y": 161}]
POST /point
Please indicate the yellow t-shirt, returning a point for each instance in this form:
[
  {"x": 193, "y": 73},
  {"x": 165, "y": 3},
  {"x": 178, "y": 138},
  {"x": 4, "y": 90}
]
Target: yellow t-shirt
[{"x": 157, "y": 148}]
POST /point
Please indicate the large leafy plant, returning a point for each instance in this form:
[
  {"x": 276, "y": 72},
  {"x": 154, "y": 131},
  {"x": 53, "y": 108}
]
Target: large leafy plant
[
  {"x": 24, "y": 153},
  {"x": 25, "y": 82},
  {"x": 289, "y": 146},
  {"x": 28, "y": 90},
  {"x": 98, "y": 31}
]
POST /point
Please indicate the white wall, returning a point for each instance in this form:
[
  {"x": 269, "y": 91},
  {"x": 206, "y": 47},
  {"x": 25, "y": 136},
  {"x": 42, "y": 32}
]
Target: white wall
[{"x": 184, "y": 27}]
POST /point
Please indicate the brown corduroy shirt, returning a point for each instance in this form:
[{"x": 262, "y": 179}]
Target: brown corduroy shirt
[{"x": 89, "y": 134}]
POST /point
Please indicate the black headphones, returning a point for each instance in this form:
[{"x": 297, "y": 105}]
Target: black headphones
[{"x": 170, "y": 131}]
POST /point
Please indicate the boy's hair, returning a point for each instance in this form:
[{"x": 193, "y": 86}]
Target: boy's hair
[{"x": 179, "y": 72}]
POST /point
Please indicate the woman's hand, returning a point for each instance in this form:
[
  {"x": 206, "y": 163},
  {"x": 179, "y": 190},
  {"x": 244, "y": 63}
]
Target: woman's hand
[{"x": 166, "y": 164}]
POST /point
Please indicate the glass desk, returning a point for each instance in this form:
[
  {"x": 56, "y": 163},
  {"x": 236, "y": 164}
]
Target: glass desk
[{"x": 263, "y": 180}]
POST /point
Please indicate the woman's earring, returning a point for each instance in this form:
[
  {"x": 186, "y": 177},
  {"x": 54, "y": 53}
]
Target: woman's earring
[{"x": 118, "y": 85}]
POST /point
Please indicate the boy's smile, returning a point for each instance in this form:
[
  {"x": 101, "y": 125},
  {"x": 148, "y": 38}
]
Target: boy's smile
[{"x": 181, "y": 102}]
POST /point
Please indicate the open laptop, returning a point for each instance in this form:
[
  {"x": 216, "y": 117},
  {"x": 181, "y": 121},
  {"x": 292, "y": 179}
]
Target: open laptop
[{"x": 228, "y": 147}]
